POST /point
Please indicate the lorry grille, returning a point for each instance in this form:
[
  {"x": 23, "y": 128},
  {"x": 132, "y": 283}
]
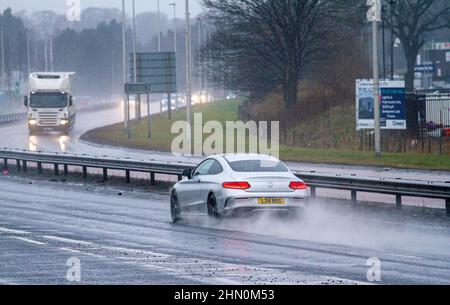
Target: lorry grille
[{"x": 48, "y": 118}]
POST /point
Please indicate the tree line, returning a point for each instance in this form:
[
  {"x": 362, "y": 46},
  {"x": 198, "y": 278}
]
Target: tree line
[
  {"x": 92, "y": 49},
  {"x": 262, "y": 46}
]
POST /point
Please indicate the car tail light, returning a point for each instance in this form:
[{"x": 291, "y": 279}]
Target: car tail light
[
  {"x": 298, "y": 185},
  {"x": 236, "y": 185}
]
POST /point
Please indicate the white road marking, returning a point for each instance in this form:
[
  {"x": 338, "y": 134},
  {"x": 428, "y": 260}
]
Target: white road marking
[
  {"x": 66, "y": 240},
  {"x": 94, "y": 255},
  {"x": 136, "y": 251},
  {"x": 406, "y": 256},
  {"x": 10, "y": 231},
  {"x": 341, "y": 280},
  {"x": 70, "y": 250},
  {"x": 4, "y": 282},
  {"x": 31, "y": 241},
  {"x": 189, "y": 268},
  {"x": 199, "y": 278}
]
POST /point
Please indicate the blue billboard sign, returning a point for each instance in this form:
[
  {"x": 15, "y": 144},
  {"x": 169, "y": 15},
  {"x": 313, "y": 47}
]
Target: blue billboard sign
[{"x": 392, "y": 105}]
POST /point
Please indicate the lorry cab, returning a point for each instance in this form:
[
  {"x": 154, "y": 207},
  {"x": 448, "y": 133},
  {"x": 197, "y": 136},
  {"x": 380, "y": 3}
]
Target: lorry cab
[{"x": 50, "y": 102}]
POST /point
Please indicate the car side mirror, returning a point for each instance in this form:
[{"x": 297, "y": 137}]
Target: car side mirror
[
  {"x": 187, "y": 173},
  {"x": 25, "y": 101},
  {"x": 70, "y": 101}
]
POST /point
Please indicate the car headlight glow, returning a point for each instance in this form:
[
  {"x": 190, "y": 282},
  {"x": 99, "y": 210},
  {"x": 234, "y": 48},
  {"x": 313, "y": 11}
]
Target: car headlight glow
[
  {"x": 64, "y": 122},
  {"x": 32, "y": 122}
]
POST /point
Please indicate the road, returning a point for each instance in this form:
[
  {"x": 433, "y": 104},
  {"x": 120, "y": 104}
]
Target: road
[
  {"x": 129, "y": 239},
  {"x": 16, "y": 136}
]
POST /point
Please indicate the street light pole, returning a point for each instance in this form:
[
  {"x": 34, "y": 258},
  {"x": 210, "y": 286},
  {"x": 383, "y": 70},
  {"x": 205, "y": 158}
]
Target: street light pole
[
  {"x": 51, "y": 54},
  {"x": 159, "y": 48},
  {"x": 2, "y": 79},
  {"x": 159, "y": 27},
  {"x": 374, "y": 16},
  {"x": 392, "y": 39},
  {"x": 376, "y": 80},
  {"x": 175, "y": 39},
  {"x": 137, "y": 105},
  {"x": 45, "y": 55},
  {"x": 174, "y": 26},
  {"x": 188, "y": 71},
  {"x": 384, "y": 41},
  {"x": 124, "y": 68},
  {"x": 205, "y": 61},
  {"x": 134, "y": 45},
  {"x": 200, "y": 64},
  {"x": 28, "y": 54}
]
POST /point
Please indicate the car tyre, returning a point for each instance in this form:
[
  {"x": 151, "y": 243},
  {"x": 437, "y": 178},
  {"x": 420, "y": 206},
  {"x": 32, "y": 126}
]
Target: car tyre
[
  {"x": 212, "y": 206},
  {"x": 175, "y": 210}
]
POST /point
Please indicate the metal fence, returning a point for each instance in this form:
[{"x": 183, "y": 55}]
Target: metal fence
[
  {"x": 15, "y": 117},
  {"x": 354, "y": 184},
  {"x": 22, "y": 116},
  {"x": 434, "y": 121}
]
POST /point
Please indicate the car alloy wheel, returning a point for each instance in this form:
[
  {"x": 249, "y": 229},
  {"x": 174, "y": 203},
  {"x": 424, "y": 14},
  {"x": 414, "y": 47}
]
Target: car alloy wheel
[
  {"x": 212, "y": 206},
  {"x": 175, "y": 210}
]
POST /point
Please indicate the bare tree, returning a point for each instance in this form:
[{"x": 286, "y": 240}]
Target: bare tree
[
  {"x": 413, "y": 21},
  {"x": 262, "y": 45}
]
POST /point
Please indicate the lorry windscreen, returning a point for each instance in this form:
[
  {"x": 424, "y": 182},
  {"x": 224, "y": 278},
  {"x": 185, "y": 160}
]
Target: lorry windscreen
[{"x": 48, "y": 100}]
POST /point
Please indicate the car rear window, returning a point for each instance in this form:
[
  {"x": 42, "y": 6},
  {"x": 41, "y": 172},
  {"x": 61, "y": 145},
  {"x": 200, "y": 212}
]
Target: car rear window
[{"x": 252, "y": 166}]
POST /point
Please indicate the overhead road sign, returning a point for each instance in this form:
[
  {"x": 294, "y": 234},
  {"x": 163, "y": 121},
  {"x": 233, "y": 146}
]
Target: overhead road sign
[
  {"x": 137, "y": 88},
  {"x": 157, "y": 69}
]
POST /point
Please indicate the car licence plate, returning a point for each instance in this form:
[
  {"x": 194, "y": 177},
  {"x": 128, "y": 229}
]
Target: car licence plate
[{"x": 266, "y": 201}]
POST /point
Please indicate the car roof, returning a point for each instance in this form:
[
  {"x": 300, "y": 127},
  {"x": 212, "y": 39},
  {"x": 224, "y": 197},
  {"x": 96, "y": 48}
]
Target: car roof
[{"x": 244, "y": 157}]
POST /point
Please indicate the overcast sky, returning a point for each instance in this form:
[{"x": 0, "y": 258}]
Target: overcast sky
[{"x": 61, "y": 7}]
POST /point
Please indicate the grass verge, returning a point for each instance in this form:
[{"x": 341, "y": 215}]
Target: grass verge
[{"x": 228, "y": 111}]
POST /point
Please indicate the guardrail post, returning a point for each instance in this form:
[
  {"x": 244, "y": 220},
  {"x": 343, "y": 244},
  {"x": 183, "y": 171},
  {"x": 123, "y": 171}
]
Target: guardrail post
[
  {"x": 313, "y": 192},
  {"x": 127, "y": 176},
  {"x": 354, "y": 197},
  {"x": 25, "y": 166},
  {"x": 84, "y": 172},
  {"x": 19, "y": 167},
  {"x": 5, "y": 163},
  {"x": 105, "y": 174},
  {"x": 398, "y": 201},
  {"x": 39, "y": 168},
  {"x": 66, "y": 170},
  {"x": 56, "y": 165},
  {"x": 447, "y": 207},
  {"x": 152, "y": 178}
]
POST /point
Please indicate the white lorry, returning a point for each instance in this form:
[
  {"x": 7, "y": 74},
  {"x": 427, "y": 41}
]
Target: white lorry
[{"x": 50, "y": 102}]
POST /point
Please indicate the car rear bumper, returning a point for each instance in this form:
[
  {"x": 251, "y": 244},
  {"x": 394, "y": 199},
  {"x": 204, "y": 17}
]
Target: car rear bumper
[
  {"x": 249, "y": 205},
  {"x": 245, "y": 211}
]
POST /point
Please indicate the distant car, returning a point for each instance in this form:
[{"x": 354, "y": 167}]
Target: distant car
[
  {"x": 227, "y": 185},
  {"x": 165, "y": 104},
  {"x": 3, "y": 97}
]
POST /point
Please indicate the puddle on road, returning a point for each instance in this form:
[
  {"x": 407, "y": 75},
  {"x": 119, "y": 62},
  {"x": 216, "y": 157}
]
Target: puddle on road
[{"x": 341, "y": 227}]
